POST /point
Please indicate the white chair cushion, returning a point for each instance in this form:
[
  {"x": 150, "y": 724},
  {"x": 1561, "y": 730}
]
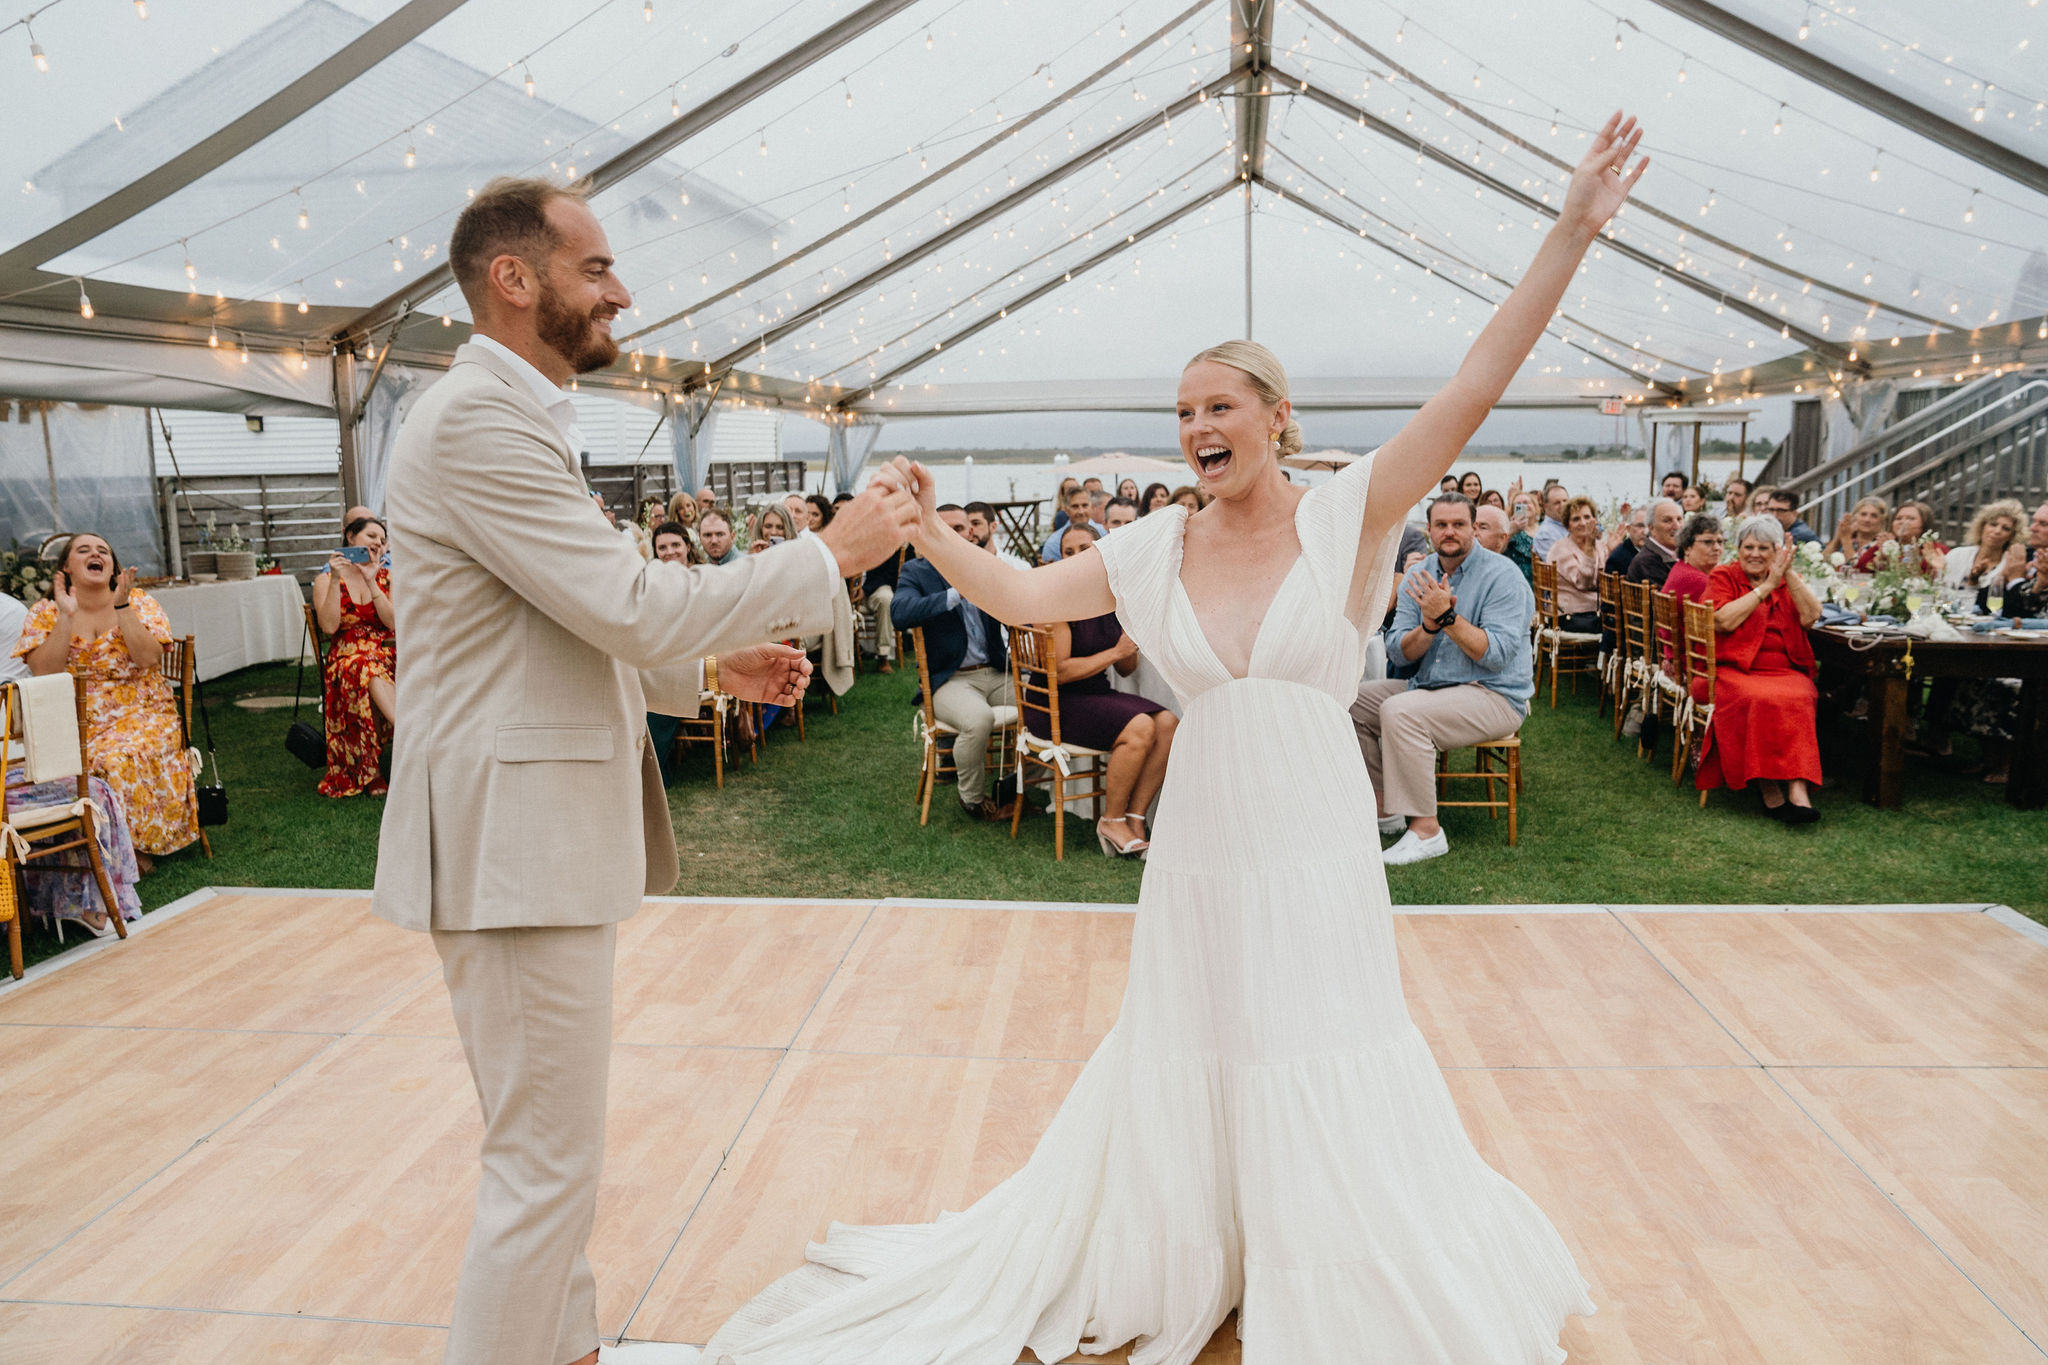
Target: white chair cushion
[
  {"x": 1036, "y": 743},
  {"x": 1570, "y": 637},
  {"x": 26, "y": 818}
]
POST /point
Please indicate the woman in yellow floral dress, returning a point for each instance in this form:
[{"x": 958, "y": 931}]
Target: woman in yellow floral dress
[
  {"x": 112, "y": 639},
  {"x": 359, "y": 691}
]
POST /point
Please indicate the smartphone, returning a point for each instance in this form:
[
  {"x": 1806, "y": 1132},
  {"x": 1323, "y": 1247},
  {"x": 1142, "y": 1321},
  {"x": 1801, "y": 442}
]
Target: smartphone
[
  {"x": 355, "y": 554},
  {"x": 775, "y": 540}
]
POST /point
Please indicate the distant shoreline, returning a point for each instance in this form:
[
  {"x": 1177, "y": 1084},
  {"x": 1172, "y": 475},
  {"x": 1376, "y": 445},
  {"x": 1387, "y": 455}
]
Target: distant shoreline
[{"x": 1042, "y": 457}]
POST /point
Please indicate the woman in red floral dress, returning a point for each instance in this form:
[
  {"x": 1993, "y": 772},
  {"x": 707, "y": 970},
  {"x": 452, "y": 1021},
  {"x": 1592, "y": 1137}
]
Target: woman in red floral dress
[{"x": 359, "y": 691}]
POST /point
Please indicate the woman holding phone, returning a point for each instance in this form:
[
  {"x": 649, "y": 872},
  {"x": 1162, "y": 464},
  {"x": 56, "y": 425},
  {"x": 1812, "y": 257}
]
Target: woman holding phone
[{"x": 352, "y": 601}]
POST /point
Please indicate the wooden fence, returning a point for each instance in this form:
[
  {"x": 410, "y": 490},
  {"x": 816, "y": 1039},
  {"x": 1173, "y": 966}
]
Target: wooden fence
[{"x": 294, "y": 519}]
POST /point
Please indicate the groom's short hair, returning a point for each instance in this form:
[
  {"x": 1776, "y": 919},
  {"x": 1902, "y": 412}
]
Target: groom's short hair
[{"x": 508, "y": 217}]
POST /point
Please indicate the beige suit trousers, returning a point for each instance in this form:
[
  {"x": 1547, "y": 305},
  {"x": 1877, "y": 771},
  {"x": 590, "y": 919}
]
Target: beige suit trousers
[
  {"x": 534, "y": 1008},
  {"x": 1400, "y": 731},
  {"x": 965, "y": 703},
  {"x": 877, "y": 605}
]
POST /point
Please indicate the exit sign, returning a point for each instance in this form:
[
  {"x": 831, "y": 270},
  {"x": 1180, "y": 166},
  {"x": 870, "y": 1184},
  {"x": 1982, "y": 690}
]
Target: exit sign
[{"x": 1611, "y": 407}]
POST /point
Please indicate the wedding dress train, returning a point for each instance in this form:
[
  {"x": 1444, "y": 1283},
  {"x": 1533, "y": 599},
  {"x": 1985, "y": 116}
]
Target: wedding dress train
[{"x": 1264, "y": 1129}]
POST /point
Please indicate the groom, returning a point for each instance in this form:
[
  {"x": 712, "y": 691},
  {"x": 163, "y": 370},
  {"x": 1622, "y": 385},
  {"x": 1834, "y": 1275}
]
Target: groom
[{"x": 526, "y": 814}]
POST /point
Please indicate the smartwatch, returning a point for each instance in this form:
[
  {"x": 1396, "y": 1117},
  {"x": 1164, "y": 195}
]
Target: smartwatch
[{"x": 1444, "y": 622}]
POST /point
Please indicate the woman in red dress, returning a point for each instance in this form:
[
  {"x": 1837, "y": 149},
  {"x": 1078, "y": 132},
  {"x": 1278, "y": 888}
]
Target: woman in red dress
[
  {"x": 1764, "y": 695},
  {"x": 359, "y": 693}
]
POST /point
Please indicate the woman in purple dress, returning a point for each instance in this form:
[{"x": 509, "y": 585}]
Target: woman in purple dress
[{"x": 1135, "y": 732}]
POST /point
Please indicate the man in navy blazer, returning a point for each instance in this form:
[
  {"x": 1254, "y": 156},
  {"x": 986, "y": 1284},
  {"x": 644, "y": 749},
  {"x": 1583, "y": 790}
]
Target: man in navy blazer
[{"x": 970, "y": 667}]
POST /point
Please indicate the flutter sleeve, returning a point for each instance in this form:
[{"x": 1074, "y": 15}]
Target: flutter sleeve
[
  {"x": 153, "y": 618},
  {"x": 1142, "y": 561},
  {"x": 42, "y": 617},
  {"x": 1333, "y": 530}
]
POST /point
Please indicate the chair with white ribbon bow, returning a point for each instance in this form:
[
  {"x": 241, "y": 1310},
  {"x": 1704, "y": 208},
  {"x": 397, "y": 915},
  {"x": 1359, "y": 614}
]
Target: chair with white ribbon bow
[
  {"x": 935, "y": 738},
  {"x": 47, "y": 717},
  {"x": 1034, "y": 675}
]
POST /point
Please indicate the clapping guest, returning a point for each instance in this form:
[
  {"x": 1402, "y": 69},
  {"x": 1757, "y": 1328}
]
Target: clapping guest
[
  {"x": 1635, "y": 526},
  {"x": 1577, "y": 558},
  {"x": 1136, "y": 733},
  {"x": 359, "y": 693},
  {"x": 1910, "y": 522},
  {"x": 1699, "y": 551},
  {"x": 1992, "y": 532},
  {"x": 1861, "y": 527},
  {"x": 1156, "y": 497},
  {"x": 1764, "y": 698},
  {"x": 112, "y": 638}
]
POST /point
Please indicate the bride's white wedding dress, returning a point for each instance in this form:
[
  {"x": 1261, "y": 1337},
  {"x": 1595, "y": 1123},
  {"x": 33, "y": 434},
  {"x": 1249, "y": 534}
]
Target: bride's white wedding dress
[{"x": 1264, "y": 1128}]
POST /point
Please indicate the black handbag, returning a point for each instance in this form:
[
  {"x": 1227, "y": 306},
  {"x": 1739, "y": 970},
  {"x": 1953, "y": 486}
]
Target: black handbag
[
  {"x": 213, "y": 798},
  {"x": 306, "y": 744}
]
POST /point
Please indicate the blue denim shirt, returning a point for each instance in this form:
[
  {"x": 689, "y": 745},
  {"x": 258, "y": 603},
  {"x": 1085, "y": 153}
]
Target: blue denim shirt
[{"x": 1492, "y": 595}]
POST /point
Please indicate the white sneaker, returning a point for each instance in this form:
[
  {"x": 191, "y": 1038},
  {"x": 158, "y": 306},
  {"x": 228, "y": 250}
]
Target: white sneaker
[
  {"x": 648, "y": 1353},
  {"x": 1393, "y": 824},
  {"x": 1409, "y": 849}
]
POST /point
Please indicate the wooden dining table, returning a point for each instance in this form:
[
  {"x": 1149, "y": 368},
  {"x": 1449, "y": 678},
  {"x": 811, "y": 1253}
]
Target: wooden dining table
[{"x": 1889, "y": 664}]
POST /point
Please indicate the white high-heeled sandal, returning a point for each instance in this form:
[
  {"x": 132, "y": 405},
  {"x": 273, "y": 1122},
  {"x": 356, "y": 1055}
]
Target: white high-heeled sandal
[{"x": 1115, "y": 850}]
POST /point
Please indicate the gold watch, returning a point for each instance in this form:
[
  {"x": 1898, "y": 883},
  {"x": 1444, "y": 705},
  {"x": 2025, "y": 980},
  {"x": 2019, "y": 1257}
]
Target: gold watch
[{"x": 710, "y": 672}]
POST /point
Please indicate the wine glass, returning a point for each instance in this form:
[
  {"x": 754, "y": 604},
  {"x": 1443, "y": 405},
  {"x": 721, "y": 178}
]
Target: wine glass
[
  {"x": 1913, "y": 601},
  {"x": 1994, "y": 600},
  {"x": 1848, "y": 591}
]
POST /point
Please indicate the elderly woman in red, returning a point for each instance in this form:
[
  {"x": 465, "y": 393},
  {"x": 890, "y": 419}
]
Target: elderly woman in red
[
  {"x": 359, "y": 693},
  {"x": 1763, "y": 727}
]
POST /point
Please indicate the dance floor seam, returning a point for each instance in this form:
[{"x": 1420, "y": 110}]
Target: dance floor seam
[{"x": 250, "y": 1132}]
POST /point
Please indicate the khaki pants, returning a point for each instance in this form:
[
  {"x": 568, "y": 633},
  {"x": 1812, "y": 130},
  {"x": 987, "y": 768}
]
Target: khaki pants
[
  {"x": 1400, "y": 732},
  {"x": 964, "y": 703},
  {"x": 877, "y": 605},
  {"x": 534, "y": 1008}
]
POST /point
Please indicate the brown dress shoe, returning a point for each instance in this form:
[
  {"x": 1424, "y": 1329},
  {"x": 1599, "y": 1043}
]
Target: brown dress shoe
[{"x": 990, "y": 809}]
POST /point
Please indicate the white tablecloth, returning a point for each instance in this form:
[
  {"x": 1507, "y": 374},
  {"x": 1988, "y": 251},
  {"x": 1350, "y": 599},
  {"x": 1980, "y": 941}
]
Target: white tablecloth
[{"x": 255, "y": 621}]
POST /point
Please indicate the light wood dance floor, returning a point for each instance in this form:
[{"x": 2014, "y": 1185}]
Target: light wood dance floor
[{"x": 248, "y": 1134}]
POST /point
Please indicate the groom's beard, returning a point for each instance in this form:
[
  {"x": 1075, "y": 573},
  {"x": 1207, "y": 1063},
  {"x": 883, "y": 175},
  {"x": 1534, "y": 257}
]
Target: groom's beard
[{"x": 573, "y": 335}]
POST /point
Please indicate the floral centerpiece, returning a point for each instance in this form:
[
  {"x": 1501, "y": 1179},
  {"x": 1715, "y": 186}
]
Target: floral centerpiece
[
  {"x": 1821, "y": 570},
  {"x": 1897, "y": 577},
  {"x": 23, "y": 574}
]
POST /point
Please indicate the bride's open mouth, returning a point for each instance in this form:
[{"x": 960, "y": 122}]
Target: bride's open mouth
[{"x": 1214, "y": 460}]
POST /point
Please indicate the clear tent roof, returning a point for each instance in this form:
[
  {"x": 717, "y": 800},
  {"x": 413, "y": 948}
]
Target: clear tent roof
[{"x": 876, "y": 205}]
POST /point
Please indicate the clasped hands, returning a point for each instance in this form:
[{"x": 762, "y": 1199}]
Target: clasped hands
[{"x": 1431, "y": 593}]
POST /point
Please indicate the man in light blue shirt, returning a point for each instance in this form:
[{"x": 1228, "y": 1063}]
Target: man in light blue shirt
[
  {"x": 1079, "y": 508},
  {"x": 1551, "y": 529},
  {"x": 1460, "y": 671}
]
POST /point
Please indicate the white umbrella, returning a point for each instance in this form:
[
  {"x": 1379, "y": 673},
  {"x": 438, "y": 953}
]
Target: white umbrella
[
  {"x": 1319, "y": 459},
  {"x": 1116, "y": 465}
]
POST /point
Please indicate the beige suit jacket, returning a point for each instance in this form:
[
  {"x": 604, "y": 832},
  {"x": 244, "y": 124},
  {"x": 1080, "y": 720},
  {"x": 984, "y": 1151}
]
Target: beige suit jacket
[{"x": 532, "y": 641}]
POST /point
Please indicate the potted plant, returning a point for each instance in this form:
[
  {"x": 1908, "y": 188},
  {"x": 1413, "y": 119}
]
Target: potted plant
[{"x": 233, "y": 559}]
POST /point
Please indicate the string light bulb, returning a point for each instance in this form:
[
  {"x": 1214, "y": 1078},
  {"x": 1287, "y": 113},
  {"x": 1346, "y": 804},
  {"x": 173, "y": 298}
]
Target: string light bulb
[
  {"x": 212, "y": 336},
  {"x": 1970, "y": 209},
  {"x": 1875, "y": 158},
  {"x": 1617, "y": 35},
  {"x": 305, "y": 218},
  {"x": 849, "y": 93},
  {"x": 412, "y": 158},
  {"x": 84, "y": 303},
  {"x": 1401, "y": 33},
  {"x": 675, "y": 103},
  {"x": 927, "y": 40},
  {"x": 304, "y": 307},
  {"x": 527, "y": 71},
  {"x": 1778, "y": 126},
  {"x": 1806, "y": 23},
  {"x": 647, "y": 11},
  {"x": 142, "y": 9},
  {"x": 764, "y": 142},
  {"x": 1682, "y": 60},
  {"x": 191, "y": 270}
]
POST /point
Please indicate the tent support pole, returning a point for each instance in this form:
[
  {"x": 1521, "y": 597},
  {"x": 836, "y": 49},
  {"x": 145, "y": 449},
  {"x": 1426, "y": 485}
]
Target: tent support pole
[
  {"x": 347, "y": 418},
  {"x": 1247, "y": 260}
]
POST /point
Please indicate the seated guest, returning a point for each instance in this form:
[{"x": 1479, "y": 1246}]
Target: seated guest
[
  {"x": 1098, "y": 509},
  {"x": 981, "y": 529},
  {"x": 1551, "y": 529},
  {"x": 1764, "y": 695},
  {"x": 1635, "y": 528},
  {"x": 714, "y": 530},
  {"x": 1156, "y": 497},
  {"x": 1134, "y": 732},
  {"x": 1128, "y": 489},
  {"x": 1674, "y": 486},
  {"x": 1992, "y": 532},
  {"x": 1188, "y": 496},
  {"x": 1120, "y": 512},
  {"x": 1861, "y": 527},
  {"x": 1059, "y": 503},
  {"x": 112, "y": 638},
  {"x": 1524, "y": 516},
  {"x": 13, "y": 616},
  {"x": 969, "y": 661},
  {"x": 1490, "y": 528},
  {"x": 1734, "y": 500},
  {"x": 818, "y": 511},
  {"x": 1692, "y": 500},
  {"x": 1910, "y": 522},
  {"x": 358, "y": 693},
  {"x": 1785, "y": 507},
  {"x": 1492, "y": 498},
  {"x": 672, "y": 544},
  {"x": 1459, "y": 654},
  {"x": 1699, "y": 551},
  {"x": 1079, "y": 502},
  {"x": 1448, "y": 484},
  {"x": 683, "y": 511},
  {"x": 706, "y": 500},
  {"x": 1471, "y": 485},
  {"x": 1653, "y": 562},
  {"x": 1575, "y": 558},
  {"x": 773, "y": 524},
  {"x": 1989, "y": 707},
  {"x": 877, "y": 599}
]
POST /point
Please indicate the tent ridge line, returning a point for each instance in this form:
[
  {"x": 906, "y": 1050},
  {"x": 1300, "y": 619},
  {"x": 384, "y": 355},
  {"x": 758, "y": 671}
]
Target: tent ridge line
[
  {"x": 616, "y": 168},
  {"x": 1031, "y": 296},
  {"x": 368, "y": 49},
  {"x": 1561, "y": 164},
  {"x": 1813, "y": 341},
  {"x": 869, "y": 215},
  {"x": 970, "y": 224},
  {"x": 1913, "y": 117}
]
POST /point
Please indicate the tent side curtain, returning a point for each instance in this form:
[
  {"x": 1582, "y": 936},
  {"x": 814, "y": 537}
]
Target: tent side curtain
[
  {"x": 693, "y": 425},
  {"x": 66, "y": 467},
  {"x": 140, "y": 371},
  {"x": 847, "y": 448}
]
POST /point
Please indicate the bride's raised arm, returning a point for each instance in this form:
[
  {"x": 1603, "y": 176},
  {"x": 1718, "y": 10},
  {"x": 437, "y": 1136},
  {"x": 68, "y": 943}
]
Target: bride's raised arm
[
  {"x": 1065, "y": 590},
  {"x": 1412, "y": 464}
]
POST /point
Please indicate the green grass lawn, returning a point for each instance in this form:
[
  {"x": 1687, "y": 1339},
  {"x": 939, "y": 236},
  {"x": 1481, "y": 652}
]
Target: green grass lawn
[{"x": 833, "y": 817}]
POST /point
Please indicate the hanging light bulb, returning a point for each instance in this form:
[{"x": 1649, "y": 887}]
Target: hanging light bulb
[
  {"x": 1977, "y": 114},
  {"x": 369, "y": 350},
  {"x": 412, "y": 158},
  {"x": 849, "y": 94},
  {"x": 142, "y": 9},
  {"x": 764, "y": 142},
  {"x": 84, "y": 303},
  {"x": 1779, "y": 126},
  {"x": 1806, "y": 23},
  {"x": 675, "y": 104},
  {"x": 303, "y": 305},
  {"x": 1617, "y": 35},
  {"x": 191, "y": 270},
  {"x": 212, "y": 336},
  {"x": 397, "y": 261},
  {"x": 1401, "y": 32},
  {"x": 305, "y": 219},
  {"x": 527, "y": 71},
  {"x": 1970, "y": 209},
  {"x": 647, "y": 11},
  {"x": 35, "y": 49},
  {"x": 1682, "y": 59},
  {"x": 1553, "y": 122},
  {"x": 1875, "y": 158}
]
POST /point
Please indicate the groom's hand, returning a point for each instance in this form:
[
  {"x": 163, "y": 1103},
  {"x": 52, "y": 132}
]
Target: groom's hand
[
  {"x": 869, "y": 529},
  {"x": 775, "y": 675}
]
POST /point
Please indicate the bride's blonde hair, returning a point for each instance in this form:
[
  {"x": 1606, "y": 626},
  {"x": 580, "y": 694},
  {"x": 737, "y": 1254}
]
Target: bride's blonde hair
[{"x": 1269, "y": 380}]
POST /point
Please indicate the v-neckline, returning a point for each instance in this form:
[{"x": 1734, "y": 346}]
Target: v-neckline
[{"x": 1251, "y": 656}]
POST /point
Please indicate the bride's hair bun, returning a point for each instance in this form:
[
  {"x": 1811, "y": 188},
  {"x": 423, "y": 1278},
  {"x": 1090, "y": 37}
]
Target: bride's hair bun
[{"x": 1268, "y": 376}]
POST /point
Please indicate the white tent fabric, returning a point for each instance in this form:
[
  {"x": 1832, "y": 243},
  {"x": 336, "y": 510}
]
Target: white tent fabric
[
  {"x": 892, "y": 206},
  {"x": 66, "y": 467},
  {"x": 144, "y": 371},
  {"x": 847, "y": 447}
]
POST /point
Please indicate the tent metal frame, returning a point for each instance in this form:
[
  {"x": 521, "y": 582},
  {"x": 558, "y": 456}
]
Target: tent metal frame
[{"x": 1809, "y": 65}]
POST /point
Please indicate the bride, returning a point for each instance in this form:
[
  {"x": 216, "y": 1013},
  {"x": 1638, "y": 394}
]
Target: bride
[{"x": 1264, "y": 1129}]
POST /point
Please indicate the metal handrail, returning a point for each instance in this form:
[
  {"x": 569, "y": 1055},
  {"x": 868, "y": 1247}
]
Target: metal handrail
[
  {"x": 2018, "y": 419},
  {"x": 1966, "y": 394},
  {"x": 1975, "y": 415}
]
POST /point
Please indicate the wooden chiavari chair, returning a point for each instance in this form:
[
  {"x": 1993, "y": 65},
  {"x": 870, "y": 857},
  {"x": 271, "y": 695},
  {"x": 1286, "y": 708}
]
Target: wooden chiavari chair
[
  {"x": 55, "y": 757},
  {"x": 1034, "y": 675},
  {"x": 1564, "y": 651},
  {"x": 1637, "y": 647},
  {"x": 937, "y": 737},
  {"x": 1610, "y": 636},
  {"x": 1697, "y": 643},
  {"x": 181, "y": 669}
]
